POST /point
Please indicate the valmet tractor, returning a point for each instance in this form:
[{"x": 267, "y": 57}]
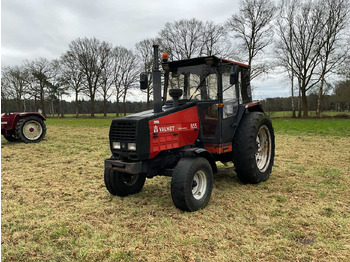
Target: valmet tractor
[
  {"x": 28, "y": 127},
  {"x": 211, "y": 117}
]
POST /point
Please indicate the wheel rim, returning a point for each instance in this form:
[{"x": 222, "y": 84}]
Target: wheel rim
[
  {"x": 199, "y": 185},
  {"x": 263, "y": 148},
  {"x": 129, "y": 179},
  {"x": 32, "y": 130}
]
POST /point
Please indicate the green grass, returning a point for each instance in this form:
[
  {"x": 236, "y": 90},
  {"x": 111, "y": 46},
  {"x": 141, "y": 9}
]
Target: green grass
[
  {"x": 55, "y": 207},
  {"x": 289, "y": 126},
  {"x": 79, "y": 122},
  {"x": 310, "y": 127},
  {"x": 311, "y": 114}
]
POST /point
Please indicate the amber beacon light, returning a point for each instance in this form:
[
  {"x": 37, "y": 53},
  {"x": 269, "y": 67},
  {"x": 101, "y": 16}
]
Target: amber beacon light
[{"x": 165, "y": 57}]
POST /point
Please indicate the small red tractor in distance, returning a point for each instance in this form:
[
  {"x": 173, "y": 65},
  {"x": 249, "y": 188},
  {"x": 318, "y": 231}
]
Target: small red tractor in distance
[
  {"x": 28, "y": 127},
  {"x": 211, "y": 117}
]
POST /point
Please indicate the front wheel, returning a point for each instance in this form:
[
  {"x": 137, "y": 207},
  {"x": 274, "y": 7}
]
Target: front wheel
[
  {"x": 30, "y": 129},
  {"x": 192, "y": 183},
  {"x": 254, "y": 148},
  {"x": 122, "y": 184}
]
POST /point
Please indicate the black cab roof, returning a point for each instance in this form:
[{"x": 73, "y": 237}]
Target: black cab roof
[{"x": 201, "y": 60}]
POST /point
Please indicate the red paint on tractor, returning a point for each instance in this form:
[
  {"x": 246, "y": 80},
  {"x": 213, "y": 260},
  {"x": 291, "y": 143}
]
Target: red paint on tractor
[
  {"x": 218, "y": 148},
  {"x": 9, "y": 121},
  {"x": 173, "y": 131}
]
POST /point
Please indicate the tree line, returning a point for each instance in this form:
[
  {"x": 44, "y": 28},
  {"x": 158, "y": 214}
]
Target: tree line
[
  {"x": 305, "y": 40},
  {"x": 339, "y": 101}
]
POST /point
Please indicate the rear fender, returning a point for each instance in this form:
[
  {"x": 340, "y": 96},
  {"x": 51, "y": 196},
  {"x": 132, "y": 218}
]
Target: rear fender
[
  {"x": 254, "y": 107},
  {"x": 31, "y": 114},
  {"x": 201, "y": 152}
]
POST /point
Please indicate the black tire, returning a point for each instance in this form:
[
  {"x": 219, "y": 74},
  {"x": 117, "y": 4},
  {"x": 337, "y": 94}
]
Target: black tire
[
  {"x": 192, "y": 183},
  {"x": 30, "y": 129},
  {"x": 253, "y": 159},
  {"x": 11, "y": 138},
  {"x": 122, "y": 184}
]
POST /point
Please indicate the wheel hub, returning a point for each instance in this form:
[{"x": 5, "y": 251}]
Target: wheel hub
[
  {"x": 199, "y": 185},
  {"x": 32, "y": 130},
  {"x": 129, "y": 179}
]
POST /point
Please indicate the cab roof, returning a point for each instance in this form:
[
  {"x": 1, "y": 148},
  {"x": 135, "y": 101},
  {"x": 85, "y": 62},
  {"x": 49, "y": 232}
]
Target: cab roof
[{"x": 202, "y": 60}]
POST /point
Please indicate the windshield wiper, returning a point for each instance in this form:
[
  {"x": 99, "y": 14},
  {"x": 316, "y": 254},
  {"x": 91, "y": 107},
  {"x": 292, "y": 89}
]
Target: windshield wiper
[{"x": 198, "y": 86}]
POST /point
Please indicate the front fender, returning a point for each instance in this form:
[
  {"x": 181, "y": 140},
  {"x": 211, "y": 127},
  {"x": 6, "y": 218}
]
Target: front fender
[{"x": 198, "y": 151}]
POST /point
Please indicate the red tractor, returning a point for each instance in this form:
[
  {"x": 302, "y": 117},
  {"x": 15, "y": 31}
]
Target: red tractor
[
  {"x": 211, "y": 117},
  {"x": 28, "y": 127}
]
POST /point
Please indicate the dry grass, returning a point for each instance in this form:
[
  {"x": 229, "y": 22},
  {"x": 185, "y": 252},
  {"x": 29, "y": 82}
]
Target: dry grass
[{"x": 55, "y": 206}]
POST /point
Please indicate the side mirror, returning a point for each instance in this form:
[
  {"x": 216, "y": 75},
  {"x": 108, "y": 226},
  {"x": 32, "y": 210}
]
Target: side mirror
[
  {"x": 143, "y": 81},
  {"x": 234, "y": 75}
]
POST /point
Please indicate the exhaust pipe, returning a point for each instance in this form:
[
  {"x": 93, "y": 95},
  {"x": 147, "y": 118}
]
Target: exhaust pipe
[{"x": 157, "y": 100}]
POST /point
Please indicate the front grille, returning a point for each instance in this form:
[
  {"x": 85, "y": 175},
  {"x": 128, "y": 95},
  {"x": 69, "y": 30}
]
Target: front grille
[{"x": 124, "y": 132}]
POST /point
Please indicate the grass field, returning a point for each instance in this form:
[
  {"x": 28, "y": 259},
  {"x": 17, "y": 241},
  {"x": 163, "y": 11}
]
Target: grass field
[{"x": 55, "y": 207}]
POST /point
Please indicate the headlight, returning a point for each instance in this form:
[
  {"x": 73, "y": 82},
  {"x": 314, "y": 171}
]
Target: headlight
[
  {"x": 132, "y": 146},
  {"x": 116, "y": 145}
]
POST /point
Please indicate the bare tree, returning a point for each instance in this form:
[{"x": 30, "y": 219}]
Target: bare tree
[
  {"x": 73, "y": 76},
  {"x": 41, "y": 71},
  {"x": 131, "y": 76},
  {"x": 58, "y": 86},
  {"x": 119, "y": 60},
  {"x": 106, "y": 83},
  {"x": 301, "y": 36},
  {"x": 14, "y": 84},
  {"x": 215, "y": 40},
  {"x": 92, "y": 56},
  {"x": 252, "y": 25},
  {"x": 283, "y": 52},
  {"x": 342, "y": 95},
  {"x": 126, "y": 74},
  {"x": 335, "y": 48},
  {"x": 145, "y": 51},
  {"x": 182, "y": 39}
]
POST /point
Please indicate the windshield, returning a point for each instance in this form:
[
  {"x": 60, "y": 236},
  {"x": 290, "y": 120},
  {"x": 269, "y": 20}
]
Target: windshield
[{"x": 197, "y": 82}]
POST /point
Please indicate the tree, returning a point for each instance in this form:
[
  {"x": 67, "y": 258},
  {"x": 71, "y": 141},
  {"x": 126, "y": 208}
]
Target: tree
[
  {"x": 215, "y": 40},
  {"x": 182, "y": 39},
  {"x": 106, "y": 83},
  {"x": 300, "y": 36},
  {"x": 41, "y": 73},
  {"x": 283, "y": 52},
  {"x": 311, "y": 43},
  {"x": 145, "y": 53},
  {"x": 58, "y": 86},
  {"x": 126, "y": 73},
  {"x": 92, "y": 56},
  {"x": 252, "y": 26},
  {"x": 342, "y": 94},
  {"x": 333, "y": 52},
  {"x": 14, "y": 85},
  {"x": 73, "y": 76}
]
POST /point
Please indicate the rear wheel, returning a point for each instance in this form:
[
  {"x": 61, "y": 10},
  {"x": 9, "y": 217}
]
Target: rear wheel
[
  {"x": 254, "y": 148},
  {"x": 192, "y": 183},
  {"x": 31, "y": 129},
  {"x": 122, "y": 184}
]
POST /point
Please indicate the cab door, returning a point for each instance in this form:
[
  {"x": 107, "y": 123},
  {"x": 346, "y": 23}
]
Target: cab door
[{"x": 230, "y": 98}]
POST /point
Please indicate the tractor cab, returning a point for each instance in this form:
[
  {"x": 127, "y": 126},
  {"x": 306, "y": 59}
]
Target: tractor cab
[{"x": 218, "y": 87}]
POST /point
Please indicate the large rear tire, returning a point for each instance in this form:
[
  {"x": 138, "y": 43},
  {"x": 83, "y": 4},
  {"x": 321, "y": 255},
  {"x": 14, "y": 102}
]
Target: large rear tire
[
  {"x": 254, "y": 148},
  {"x": 192, "y": 183},
  {"x": 30, "y": 129},
  {"x": 122, "y": 184}
]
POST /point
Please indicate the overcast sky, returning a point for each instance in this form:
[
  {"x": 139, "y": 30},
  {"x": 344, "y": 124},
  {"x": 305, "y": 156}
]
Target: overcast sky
[{"x": 43, "y": 28}]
